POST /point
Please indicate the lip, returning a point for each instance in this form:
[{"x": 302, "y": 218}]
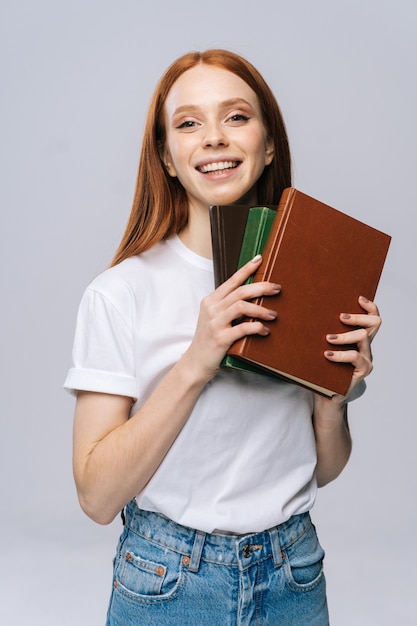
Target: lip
[{"x": 218, "y": 165}]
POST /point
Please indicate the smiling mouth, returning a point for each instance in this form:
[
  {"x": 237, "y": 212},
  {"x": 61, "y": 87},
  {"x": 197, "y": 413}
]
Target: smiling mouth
[{"x": 221, "y": 166}]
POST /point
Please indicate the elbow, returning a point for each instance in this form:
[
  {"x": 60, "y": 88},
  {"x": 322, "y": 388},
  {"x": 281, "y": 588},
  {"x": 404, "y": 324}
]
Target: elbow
[
  {"x": 324, "y": 476},
  {"x": 322, "y": 481},
  {"x": 94, "y": 502},
  {"x": 97, "y": 514},
  {"x": 95, "y": 510}
]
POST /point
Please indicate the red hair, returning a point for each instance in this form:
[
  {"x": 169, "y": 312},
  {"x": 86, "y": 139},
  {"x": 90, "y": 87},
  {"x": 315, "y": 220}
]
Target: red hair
[{"x": 160, "y": 207}]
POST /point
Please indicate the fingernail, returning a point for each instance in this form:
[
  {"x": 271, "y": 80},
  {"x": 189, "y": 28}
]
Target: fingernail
[
  {"x": 265, "y": 331},
  {"x": 363, "y": 299},
  {"x": 256, "y": 258},
  {"x": 331, "y": 337},
  {"x": 345, "y": 316},
  {"x": 276, "y": 287},
  {"x": 329, "y": 353},
  {"x": 273, "y": 314}
]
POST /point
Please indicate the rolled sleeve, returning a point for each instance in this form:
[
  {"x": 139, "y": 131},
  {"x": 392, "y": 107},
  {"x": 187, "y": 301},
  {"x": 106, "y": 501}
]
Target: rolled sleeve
[{"x": 103, "y": 359}]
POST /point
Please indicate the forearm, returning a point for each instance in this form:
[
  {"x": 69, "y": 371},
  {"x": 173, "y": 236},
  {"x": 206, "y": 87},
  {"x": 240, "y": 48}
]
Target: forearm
[
  {"x": 117, "y": 467},
  {"x": 331, "y": 429},
  {"x": 333, "y": 440},
  {"x": 115, "y": 457}
]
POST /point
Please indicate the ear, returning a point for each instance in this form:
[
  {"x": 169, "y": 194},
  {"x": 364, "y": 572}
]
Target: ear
[
  {"x": 170, "y": 169},
  {"x": 167, "y": 161},
  {"x": 269, "y": 152}
]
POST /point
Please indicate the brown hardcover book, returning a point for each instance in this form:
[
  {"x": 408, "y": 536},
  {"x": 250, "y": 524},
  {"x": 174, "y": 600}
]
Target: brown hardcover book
[
  {"x": 324, "y": 260},
  {"x": 227, "y": 223}
]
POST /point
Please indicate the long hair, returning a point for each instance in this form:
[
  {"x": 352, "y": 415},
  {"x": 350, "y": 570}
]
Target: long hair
[{"x": 160, "y": 207}]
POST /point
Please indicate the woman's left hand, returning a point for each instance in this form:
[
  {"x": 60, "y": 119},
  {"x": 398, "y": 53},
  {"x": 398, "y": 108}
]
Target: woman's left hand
[{"x": 366, "y": 326}]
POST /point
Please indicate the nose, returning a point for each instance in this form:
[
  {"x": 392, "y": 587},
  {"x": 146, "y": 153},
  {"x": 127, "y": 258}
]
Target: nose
[{"x": 215, "y": 135}]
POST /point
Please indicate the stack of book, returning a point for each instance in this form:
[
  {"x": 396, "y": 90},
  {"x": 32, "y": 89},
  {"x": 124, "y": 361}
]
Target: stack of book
[{"x": 324, "y": 260}]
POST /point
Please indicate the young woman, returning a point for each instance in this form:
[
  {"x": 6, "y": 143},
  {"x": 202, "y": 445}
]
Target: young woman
[{"x": 215, "y": 471}]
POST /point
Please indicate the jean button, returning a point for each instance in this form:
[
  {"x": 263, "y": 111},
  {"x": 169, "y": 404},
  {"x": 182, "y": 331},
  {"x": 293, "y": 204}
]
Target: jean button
[{"x": 247, "y": 551}]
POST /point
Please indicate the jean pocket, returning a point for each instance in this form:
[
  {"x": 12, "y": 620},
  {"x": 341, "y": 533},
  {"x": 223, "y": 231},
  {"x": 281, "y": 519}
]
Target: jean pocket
[
  {"x": 303, "y": 564},
  {"x": 149, "y": 573}
]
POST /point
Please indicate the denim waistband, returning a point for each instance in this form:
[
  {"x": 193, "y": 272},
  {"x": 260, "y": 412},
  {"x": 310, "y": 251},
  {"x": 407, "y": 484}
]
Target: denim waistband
[{"x": 240, "y": 550}]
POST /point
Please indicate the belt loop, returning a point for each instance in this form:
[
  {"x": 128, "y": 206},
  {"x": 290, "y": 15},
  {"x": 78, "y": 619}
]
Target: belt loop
[
  {"x": 276, "y": 546},
  {"x": 199, "y": 540}
]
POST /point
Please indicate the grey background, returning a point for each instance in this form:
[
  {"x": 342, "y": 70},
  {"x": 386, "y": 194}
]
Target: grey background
[{"x": 76, "y": 79}]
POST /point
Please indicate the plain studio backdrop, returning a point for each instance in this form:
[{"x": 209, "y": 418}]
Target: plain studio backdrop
[{"x": 76, "y": 80}]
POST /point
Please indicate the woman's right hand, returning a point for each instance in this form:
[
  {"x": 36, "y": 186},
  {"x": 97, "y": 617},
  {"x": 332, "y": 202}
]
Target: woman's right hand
[
  {"x": 215, "y": 331},
  {"x": 115, "y": 453}
]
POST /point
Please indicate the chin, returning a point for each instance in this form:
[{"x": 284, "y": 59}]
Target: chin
[{"x": 248, "y": 198}]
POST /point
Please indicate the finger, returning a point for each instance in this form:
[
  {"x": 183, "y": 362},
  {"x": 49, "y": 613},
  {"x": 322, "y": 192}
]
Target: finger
[
  {"x": 251, "y": 292},
  {"x": 369, "y": 306},
  {"x": 221, "y": 300},
  {"x": 359, "y": 319},
  {"x": 341, "y": 356},
  {"x": 245, "y": 329},
  {"x": 356, "y": 336},
  {"x": 371, "y": 323},
  {"x": 240, "y": 277},
  {"x": 359, "y": 337},
  {"x": 371, "y": 319},
  {"x": 243, "y": 309},
  {"x": 362, "y": 364}
]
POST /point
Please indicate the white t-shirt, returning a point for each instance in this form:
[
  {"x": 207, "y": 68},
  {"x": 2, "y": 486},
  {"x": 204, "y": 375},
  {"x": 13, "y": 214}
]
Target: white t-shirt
[{"x": 245, "y": 460}]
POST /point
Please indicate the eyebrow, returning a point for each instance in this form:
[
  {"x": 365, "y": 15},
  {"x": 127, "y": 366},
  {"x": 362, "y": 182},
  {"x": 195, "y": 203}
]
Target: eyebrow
[{"x": 189, "y": 108}]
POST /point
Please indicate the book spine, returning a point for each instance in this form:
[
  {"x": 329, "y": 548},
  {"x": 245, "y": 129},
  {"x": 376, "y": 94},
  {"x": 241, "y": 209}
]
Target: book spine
[
  {"x": 269, "y": 252},
  {"x": 217, "y": 256},
  {"x": 258, "y": 226},
  {"x": 272, "y": 243}
]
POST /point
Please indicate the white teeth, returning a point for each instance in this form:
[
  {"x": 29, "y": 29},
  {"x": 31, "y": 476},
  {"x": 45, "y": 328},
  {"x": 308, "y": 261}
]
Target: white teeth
[{"x": 213, "y": 167}]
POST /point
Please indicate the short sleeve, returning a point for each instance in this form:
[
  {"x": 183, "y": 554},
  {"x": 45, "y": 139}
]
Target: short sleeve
[
  {"x": 103, "y": 359},
  {"x": 357, "y": 392}
]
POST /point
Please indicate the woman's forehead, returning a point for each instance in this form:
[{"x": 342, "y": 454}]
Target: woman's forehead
[{"x": 205, "y": 85}]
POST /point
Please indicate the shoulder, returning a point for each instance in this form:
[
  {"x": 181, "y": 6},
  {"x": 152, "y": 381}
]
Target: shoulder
[
  {"x": 129, "y": 276},
  {"x": 122, "y": 288},
  {"x": 116, "y": 278}
]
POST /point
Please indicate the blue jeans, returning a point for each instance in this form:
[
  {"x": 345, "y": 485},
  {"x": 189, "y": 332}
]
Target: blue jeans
[{"x": 171, "y": 575}]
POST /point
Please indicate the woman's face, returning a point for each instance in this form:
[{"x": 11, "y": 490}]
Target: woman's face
[{"x": 216, "y": 143}]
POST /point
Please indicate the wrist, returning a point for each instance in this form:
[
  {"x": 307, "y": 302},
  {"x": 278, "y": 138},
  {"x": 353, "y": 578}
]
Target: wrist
[
  {"x": 329, "y": 412},
  {"x": 195, "y": 371}
]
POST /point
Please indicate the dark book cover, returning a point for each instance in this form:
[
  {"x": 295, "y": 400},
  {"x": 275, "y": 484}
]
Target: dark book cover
[
  {"x": 227, "y": 223},
  {"x": 258, "y": 225}
]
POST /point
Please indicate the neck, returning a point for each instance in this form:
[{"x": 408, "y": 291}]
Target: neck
[{"x": 197, "y": 235}]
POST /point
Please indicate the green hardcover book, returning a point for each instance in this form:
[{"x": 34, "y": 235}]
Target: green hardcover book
[
  {"x": 227, "y": 225},
  {"x": 258, "y": 225}
]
